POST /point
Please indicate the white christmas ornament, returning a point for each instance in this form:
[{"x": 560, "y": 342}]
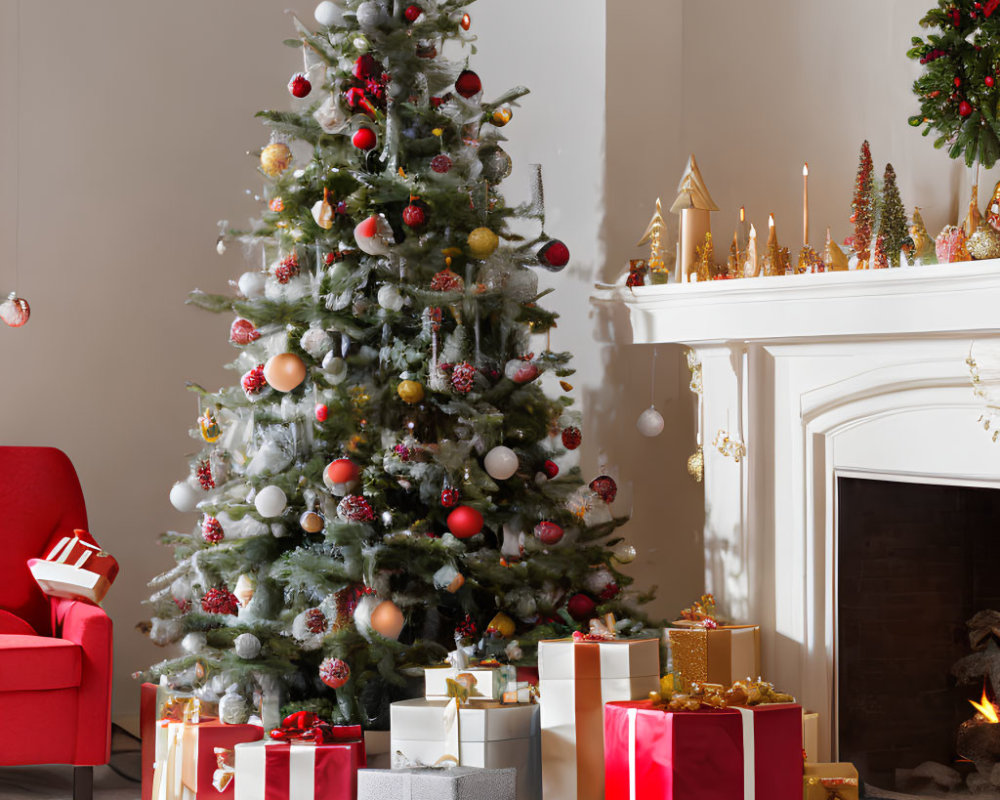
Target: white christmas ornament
[
  {"x": 233, "y": 707},
  {"x": 369, "y": 15},
  {"x": 363, "y": 615},
  {"x": 183, "y": 496},
  {"x": 335, "y": 367},
  {"x": 328, "y": 13},
  {"x": 270, "y": 501},
  {"x": 330, "y": 115},
  {"x": 650, "y": 422},
  {"x": 165, "y": 631},
  {"x": 220, "y": 246},
  {"x": 194, "y": 643},
  {"x": 374, "y": 235},
  {"x": 251, "y": 284},
  {"x": 316, "y": 342},
  {"x": 390, "y": 298},
  {"x": 246, "y": 646},
  {"x": 500, "y": 463}
]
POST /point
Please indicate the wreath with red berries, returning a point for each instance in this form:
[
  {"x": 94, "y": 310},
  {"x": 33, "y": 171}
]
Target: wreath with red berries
[{"x": 958, "y": 91}]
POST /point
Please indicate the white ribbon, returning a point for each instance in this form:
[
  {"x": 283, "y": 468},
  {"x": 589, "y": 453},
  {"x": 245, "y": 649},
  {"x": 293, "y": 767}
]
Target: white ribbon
[
  {"x": 452, "y": 734},
  {"x": 60, "y": 553}
]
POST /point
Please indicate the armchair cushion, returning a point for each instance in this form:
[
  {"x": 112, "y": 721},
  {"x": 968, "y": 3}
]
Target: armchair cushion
[
  {"x": 11, "y": 623},
  {"x": 38, "y": 663}
]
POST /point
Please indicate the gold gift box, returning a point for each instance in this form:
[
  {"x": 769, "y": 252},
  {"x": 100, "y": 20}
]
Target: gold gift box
[
  {"x": 719, "y": 655},
  {"x": 830, "y": 782}
]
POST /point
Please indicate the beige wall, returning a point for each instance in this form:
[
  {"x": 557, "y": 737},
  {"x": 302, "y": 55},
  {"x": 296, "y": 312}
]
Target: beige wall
[{"x": 135, "y": 118}]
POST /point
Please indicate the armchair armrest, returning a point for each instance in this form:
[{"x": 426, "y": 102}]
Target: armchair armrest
[{"x": 90, "y": 627}]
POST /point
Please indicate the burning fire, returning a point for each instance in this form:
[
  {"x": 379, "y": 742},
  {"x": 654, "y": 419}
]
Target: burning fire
[{"x": 986, "y": 708}]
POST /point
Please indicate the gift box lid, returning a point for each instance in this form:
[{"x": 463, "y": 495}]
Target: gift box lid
[
  {"x": 565, "y": 659},
  {"x": 457, "y": 783},
  {"x": 483, "y": 722}
]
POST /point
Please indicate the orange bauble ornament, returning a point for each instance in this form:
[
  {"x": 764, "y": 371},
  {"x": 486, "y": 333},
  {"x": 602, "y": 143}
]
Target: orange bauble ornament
[
  {"x": 341, "y": 475},
  {"x": 284, "y": 371},
  {"x": 387, "y": 619}
]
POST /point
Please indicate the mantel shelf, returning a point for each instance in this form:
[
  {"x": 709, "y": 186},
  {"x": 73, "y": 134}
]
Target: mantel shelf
[{"x": 909, "y": 301}]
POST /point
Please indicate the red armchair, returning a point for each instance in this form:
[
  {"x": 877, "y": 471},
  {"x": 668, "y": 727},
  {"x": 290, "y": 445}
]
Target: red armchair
[{"x": 55, "y": 688}]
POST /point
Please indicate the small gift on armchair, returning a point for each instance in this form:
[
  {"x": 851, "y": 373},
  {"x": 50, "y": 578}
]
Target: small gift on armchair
[{"x": 75, "y": 567}]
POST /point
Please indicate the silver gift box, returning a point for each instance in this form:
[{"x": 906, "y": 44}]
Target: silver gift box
[{"x": 457, "y": 783}]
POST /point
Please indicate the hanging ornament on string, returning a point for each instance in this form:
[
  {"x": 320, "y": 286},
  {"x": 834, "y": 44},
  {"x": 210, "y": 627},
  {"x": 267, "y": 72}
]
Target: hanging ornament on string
[
  {"x": 650, "y": 422},
  {"x": 696, "y": 461},
  {"x": 14, "y": 311}
]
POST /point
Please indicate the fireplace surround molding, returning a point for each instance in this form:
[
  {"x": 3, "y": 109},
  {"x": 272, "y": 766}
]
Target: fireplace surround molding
[{"x": 859, "y": 374}]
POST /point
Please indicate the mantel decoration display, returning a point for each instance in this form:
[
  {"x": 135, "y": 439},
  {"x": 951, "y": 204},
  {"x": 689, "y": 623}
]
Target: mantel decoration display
[{"x": 391, "y": 477}]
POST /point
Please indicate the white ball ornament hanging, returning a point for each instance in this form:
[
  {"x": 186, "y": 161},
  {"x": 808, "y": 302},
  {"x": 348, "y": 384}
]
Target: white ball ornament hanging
[
  {"x": 252, "y": 284},
  {"x": 328, "y": 13},
  {"x": 233, "y": 707},
  {"x": 316, "y": 342},
  {"x": 270, "y": 501},
  {"x": 650, "y": 422},
  {"x": 369, "y": 15},
  {"x": 184, "y": 497},
  {"x": 335, "y": 368},
  {"x": 390, "y": 298},
  {"x": 194, "y": 643},
  {"x": 500, "y": 463},
  {"x": 374, "y": 234},
  {"x": 247, "y": 646},
  {"x": 623, "y": 553}
]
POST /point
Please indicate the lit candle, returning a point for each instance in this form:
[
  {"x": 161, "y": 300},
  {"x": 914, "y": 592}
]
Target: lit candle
[
  {"x": 772, "y": 233},
  {"x": 805, "y": 204},
  {"x": 752, "y": 268}
]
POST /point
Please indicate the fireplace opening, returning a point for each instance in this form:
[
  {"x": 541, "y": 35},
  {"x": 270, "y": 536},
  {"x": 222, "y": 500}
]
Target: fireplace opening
[{"x": 915, "y": 563}]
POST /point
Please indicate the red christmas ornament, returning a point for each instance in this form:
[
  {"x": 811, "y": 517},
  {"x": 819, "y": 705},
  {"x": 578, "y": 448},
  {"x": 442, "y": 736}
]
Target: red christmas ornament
[
  {"x": 437, "y": 101},
  {"x": 355, "y": 508},
  {"x": 299, "y": 85},
  {"x": 243, "y": 331},
  {"x": 204, "y": 473},
  {"x": 287, "y": 269},
  {"x": 253, "y": 382},
  {"x": 609, "y": 592},
  {"x": 465, "y": 522},
  {"x": 581, "y": 607},
  {"x": 414, "y": 216},
  {"x": 365, "y": 67},
  {"x": 441, "y": 164},
  {"x": 957, "y": 81},
  {"x": 322, "y": 412},
  {"x": 315, "y": 621},
  {"x": 211, "y": 530},
  {"x": 449, "y": 497},
  {"x": 550, "y": 468},
  {"x": 571, "y": 438},
  {"x": 412, "y": 13},
  {"x": 554, "y": 255},
  {"x": 364, "y": 139},
  {"x": 548, "y": 532},
  {"x": 277, "y": 205},
  {"x": 14, "y": 311},
  {"x": 220, "y": 601},
  {"x": 343, "y": 470},
  {"x": 446, "y": 281},
  {"x": 605, "y": 487},
  {"x": 466, "y": 629},
  {"x": 463, "y": 377},
  {"x": 989, "y": 80},
  {"x": 964, "y": 108},
  {"x": 468, "y": 83},
  {"x": 466, "y": 22},
  {"x": 334, "y": 672}
]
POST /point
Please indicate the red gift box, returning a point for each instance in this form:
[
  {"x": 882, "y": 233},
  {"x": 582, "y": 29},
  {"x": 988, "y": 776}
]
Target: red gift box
[
  {"x": 291, "y": 770},
  {"x": 712, "y": 754},
  {"x": 76, "y": 567}
]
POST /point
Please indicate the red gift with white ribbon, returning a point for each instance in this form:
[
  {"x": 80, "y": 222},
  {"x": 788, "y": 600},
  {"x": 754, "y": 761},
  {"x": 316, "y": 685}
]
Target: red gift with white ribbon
[{"x": 75, "y": 567}]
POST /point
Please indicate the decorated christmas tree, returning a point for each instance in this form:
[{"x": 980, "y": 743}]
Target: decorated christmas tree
[
  {"x": 892, "y": 227},
  {"x": 864, "y": 207},
  {"x": 389, "y": 479}
]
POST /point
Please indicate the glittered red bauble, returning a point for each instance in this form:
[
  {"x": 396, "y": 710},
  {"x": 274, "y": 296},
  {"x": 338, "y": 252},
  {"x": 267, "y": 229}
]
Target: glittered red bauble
[
  {"x": 287, "y": 269},
  {"x": 449, "y": 497},
  {"x": 299, "y": 85},
  {"x": 204, "y": 473},
  {"x": 964, "y": 108},
  {"x": 243, "y": 331},
  {"x": 468, "y": 83},
  {"x": 365, "y": 66},
  {"x": 465, "y": 521},
  {"x": 334, "y": 672},
  {"x": 364, "y": 139},
  {"x": 414, "y": 216},
  {"x": 989, "y": 80},
  {"x": 412, "y": 13},
  {"x": 571, "y": 438},
  {"x": 322, "y": 412},
  {"x": 220, "y": 601},
  {"x": 343, "y": 470},
  {"x": 605, "y": 487},
  {"x": 355, "y": 508},
  {"x": 14, "y": 311},
  {"x": 315, "y": 621},
  {"x": 463, "y": 377},
  {"x": 441, "y": 164},
  {"x": 551, "y": 468},
  {"x": 211, "y": 530},
  {"x": 581, "y": 607},
  {"x": 253, "y": 382},
  {"x": 548, "y": 532},
  {"x": 554, "y": 255}
]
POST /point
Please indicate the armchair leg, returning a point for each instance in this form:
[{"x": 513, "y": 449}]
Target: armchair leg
[{"x": 83, "y": 783}]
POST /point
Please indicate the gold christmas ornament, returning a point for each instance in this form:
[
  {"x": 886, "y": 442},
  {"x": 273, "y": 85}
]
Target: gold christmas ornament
[
  {"x": 655, "y": 235},
  {"x": 706, "y": 259},
  {"x": 833, "y": 257},
  {"x": 482, "y": 243},
  {"x": 775, "y": 257},
  {"x": 501, "y": 624},
  {"x": 311, "y": 522},
  {"x": 410, "y": 391},
  {"x": 809, "y": 261},
  {"x": 993, "y": 209},
  {"x": 984, "y": 243},
  {"x": 209, "y": 426},
  {"x": 696, "y": 465},
  {"x": 501, "y": 117},
  {"x": 275, "y": 158},
  {"x": 972, "y": 216},
  {"x": 923, "y": 245}
]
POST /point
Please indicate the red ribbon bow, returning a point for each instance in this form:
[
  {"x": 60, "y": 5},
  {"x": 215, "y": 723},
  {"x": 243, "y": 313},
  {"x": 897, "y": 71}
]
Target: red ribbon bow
[{"x": 306, "y": 726}]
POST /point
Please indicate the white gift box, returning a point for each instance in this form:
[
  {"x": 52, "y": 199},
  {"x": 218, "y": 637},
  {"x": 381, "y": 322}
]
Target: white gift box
[
  {"x": 491, "y": 682},
  {"x": 576, "y": 679},
  {"x": 490, "y": 736},
  {"x": 457, "y": 783}
]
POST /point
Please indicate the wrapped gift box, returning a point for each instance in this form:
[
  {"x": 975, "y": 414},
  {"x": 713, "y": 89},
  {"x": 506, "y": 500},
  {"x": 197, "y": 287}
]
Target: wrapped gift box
[
  {"x": 486, "y": 735},
  {"x": 186, "y": 759},
  {"x": 491, "y": 682},
  {"x": 576, "y": 679},
  {"x": 457, "y": 783},
  {"x": 829, "y": 781},
  {"x": 721, "y": 655},
  {"x": 712, "y": 754},
  {"x": 274, "y": 770},
  {"x": 75, "y": 568}
]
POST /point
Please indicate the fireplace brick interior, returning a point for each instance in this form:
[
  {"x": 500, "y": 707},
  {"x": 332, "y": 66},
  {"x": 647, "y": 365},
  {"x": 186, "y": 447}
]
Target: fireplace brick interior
[{"x": 915, "y": 561}]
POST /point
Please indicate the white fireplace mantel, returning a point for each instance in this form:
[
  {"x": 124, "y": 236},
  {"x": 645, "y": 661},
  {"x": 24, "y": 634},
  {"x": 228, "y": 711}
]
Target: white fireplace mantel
[{"x": 821, "y": 376}]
